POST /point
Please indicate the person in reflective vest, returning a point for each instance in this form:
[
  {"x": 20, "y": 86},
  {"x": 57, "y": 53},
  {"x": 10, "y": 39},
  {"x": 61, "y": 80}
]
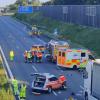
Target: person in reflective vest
[
  {"x": 22, "y": 94},
  {"x": 29, "y": 56},
  {"x": 83, "y": 64},
  {"x": 71, "y": 97},
  {"x": 15, "y": 86},
  {"x": 26, "y": 56},
  {"x": 11, "y": 54}
]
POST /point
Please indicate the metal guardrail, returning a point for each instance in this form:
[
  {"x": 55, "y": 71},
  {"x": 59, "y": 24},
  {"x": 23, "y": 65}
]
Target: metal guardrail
[{"x": 5, "y": 64}]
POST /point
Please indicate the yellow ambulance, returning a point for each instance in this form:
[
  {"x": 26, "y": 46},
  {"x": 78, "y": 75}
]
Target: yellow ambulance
[{"x": 72, "y": 58}]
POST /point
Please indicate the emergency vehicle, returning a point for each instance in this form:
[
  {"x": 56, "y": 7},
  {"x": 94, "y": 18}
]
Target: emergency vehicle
[
  {"x": 72, "y": 58},
  {"x": 46, "y": 82},
  {"x": 53, "y": 47},
  {"x": 39, "y": 48}
]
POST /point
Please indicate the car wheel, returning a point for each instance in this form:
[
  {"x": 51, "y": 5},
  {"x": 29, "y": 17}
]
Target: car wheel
[
  {"x": 74, "y": 67},
  {"x": 49, "y": 90},
  {"x": 64, "y": 87}
]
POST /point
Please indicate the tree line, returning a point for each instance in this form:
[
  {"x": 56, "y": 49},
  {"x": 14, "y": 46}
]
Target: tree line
[{"x": 72, "y": 2}]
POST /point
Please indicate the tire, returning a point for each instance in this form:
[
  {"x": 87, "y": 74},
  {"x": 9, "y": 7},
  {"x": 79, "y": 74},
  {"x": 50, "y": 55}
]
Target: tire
[
  {"x": 64, "y": 87},
  {"x": 74, "y": 67},
  {"x": 49, "y": 90}
]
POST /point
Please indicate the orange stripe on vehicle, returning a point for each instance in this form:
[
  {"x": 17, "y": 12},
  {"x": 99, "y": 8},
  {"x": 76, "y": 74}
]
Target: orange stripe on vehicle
[
  {"x": 78, "y": 63},
  {"x": 78, "y": 50},
  {"x": 74, "y": 60},
  {"x": 68, "y": 63}
]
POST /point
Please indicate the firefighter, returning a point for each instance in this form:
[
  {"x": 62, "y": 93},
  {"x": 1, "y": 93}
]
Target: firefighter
[
  {"x": 15, "y": 86},
  {"x": 40, "y": 57},
  {"x": 11, "y": 54},
  {"x": 37, "y": 56},
  {"x": 29, "y": 56},
  {"x": 26, "y": 56},
  {"x": 22, "y": 94},
  {"x": 33, "y": 54}
]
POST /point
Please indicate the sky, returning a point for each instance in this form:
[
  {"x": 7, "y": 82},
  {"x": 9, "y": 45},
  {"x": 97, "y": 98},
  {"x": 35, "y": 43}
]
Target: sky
[{"x": 4, "y": 3}]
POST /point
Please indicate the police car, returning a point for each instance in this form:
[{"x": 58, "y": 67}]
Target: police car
[{"x": 46, "y": 82}]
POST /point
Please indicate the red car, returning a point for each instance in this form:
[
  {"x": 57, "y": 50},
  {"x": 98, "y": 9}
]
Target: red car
[{"x": 47, "y": 82}]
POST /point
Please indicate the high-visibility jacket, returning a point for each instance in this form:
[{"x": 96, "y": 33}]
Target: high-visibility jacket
[
  {"x": 29, "y": 55},
  {"x": 70, "y": 98},
  {"x": 11, "y": 53},
  {"x": 23, "y": 91},
  {"x": 40, "y": 54},
  {"x": 83, "y": 65},
  {"x": 15, "y": 83}
]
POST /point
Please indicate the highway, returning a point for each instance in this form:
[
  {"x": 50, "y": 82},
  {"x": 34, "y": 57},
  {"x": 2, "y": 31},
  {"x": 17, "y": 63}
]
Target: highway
[{"x": 14, "y": 36}]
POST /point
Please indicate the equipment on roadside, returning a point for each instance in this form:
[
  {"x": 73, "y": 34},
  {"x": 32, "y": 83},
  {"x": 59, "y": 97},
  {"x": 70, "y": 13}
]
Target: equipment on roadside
[
  {"x": 53, "y": 47},
  {"x": 34, "y": 31},
  {"x": 72, "y": 58}
]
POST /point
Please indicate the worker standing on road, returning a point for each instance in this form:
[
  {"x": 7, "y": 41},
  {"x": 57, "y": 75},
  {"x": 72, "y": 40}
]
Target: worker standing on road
[
  {"x": 26, "y": 56},
  {"x": 15, "y": 86},
  {"x": 11, "y": 54},
  {"x": 40, "y": 56},
  {"x": 22, "y": 94},
  {"x": 71, "y": 97},
  {"x": 33, "y": 54},
  {"x": 37, "y": 56},
  {"x": 29, "y": 56}
]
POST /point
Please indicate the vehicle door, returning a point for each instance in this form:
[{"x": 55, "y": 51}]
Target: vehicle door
[{"x": 54, "y": 83}]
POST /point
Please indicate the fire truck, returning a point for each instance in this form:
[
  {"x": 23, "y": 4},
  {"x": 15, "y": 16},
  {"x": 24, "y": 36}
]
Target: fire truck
[
  {"x": 40, "y": 48},
  {"x": 72, "y": 58},
  {"x": 53, "y": 47}
]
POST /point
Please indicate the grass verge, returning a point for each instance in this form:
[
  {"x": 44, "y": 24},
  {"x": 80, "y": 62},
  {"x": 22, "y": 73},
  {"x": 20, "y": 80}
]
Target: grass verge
[{"x": 5, "y": 88}]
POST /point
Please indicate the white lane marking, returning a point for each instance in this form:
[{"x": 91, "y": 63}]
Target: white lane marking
[
  {"x": 17, "y": 47},
  {"x": 59, "y": 92},
  {"x": 54, "y": 93},
  {"x": 8, "y": 68},
  {"x": 80, "y": 91},
  {"x": 78, "y": 94},
  {"x": 81, "y": 87},
  {"x": 34, "y": 68}
]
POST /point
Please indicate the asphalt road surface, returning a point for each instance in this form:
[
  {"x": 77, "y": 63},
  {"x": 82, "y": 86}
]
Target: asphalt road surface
[{"x": 14, "y": 36}]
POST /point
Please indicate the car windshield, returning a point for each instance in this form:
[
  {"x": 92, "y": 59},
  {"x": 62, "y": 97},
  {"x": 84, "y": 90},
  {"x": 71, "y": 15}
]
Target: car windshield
[
  {"x": 53, "y": 79},
  {"x": 39, "y": 81}
]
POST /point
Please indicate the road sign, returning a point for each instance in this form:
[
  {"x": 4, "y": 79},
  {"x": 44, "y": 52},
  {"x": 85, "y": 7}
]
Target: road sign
[{"x": 25, "y": 9}]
